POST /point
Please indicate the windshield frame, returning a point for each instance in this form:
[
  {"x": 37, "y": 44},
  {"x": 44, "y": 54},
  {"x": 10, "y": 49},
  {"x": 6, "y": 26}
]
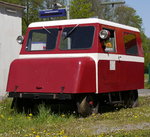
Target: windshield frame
[
  {"x": 74, "y": 27},
  {"x": 94, "y": 48}
]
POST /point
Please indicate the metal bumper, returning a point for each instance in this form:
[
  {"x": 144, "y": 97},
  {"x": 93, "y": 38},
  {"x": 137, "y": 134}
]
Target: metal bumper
[{"x": 40, "y": 95}]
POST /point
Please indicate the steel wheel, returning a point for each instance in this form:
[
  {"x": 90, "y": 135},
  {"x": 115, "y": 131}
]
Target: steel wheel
[
  {"x": 131, "y": 99},
  {"x": 87, "y": 105}
]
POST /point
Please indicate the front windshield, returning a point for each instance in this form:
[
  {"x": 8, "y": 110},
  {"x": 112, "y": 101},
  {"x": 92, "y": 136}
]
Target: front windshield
[
  {"x": 77, "y": 38},
  {"x": 42, "y": 39}
]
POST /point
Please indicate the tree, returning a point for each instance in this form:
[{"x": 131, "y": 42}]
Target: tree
[
  {"x": 101, "y": 11},
  {"x": 127, "y": 15},
  {"x": 146, "y": 47},
  {"x": 31, "y": 12},
  {"x": 81, "y": 9}
]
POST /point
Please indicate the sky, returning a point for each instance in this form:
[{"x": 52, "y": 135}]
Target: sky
[{"x": 143, "y": 10}]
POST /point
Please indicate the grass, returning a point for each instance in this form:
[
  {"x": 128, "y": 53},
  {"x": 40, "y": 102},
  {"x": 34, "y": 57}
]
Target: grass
[{"x": 120, "y": 122}]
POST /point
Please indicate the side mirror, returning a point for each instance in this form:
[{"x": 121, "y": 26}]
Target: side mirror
[
  {"x": 20, "y": 39},
  {"x": 104, "y": 34}
]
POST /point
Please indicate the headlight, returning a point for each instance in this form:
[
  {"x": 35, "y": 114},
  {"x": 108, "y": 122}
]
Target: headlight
[
  {"x": 20, "y": 39},
  {"x": 104, "y": 34}
]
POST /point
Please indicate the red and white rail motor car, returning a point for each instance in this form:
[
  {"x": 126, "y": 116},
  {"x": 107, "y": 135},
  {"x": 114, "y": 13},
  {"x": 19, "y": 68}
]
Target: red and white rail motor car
[{"x": 88, "y": 61}]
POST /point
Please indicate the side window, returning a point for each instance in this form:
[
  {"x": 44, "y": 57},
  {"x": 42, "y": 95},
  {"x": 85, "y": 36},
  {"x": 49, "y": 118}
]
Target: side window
[
  {"x": 130, "y": 44},
  {"x": 38, "y": 41},
  {"x": 110, "y": 43}
]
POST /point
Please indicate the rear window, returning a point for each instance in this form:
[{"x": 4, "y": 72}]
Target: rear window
[
  {"x": 130, "y": 43},
  {"x": 74, "y": 38},
  {"x": 42, "y": 39}
]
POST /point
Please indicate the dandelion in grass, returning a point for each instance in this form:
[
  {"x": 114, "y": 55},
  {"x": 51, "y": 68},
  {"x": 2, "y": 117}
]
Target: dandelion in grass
[
  {"x": 135, "y": 116},
  {"x": 30, "y": 135},
  {"x": 30, "y": 114},
  {"x": 2, "y": 116},
  {"x": 101, "y": 135},
  {"x": 32, "y": 129},
  {"x": 29, "y": 118},
  {"x": 48, "y": 134},
  {"x": 34, "y": 132},
  {"x": 62, "y": 115},
  {"x": 93, "y": 114},
  {"x": 61, "y": 132},
  {"x": 9, "y": 118}
]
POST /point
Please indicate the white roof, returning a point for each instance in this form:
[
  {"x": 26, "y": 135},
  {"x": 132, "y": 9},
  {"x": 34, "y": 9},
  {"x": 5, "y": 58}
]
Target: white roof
[{"x": 81, "y": 21}]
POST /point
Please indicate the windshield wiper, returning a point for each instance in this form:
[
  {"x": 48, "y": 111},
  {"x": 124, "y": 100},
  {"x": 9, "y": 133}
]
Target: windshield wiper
[
  {"x": 46, "y": 30},
  {"x": 70, "y": 31}
]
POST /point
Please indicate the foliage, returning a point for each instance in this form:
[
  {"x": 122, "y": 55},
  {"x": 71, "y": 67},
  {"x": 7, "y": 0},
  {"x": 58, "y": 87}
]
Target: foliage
[
  {"x": 127, "y": 15},
  {"x": 94, "y": 8},
  {"x": 146, "y": 47},
  {"x": 31, "y": 12},
  {"x": 90, "y": 8},
  {"x": 81, "y": 9}
]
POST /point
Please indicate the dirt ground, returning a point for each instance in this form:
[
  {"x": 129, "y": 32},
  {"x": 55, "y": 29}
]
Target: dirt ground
[
  {"x": 98, "y": 129},
  {"x": 144, "y": 92}
]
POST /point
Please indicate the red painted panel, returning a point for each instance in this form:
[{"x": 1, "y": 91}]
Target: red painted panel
[
  {"x": 55, "y": 75},
  {"x": 127, "y": 76}
]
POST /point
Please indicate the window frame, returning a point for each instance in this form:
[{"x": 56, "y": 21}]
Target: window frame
[
  {"x": 28, "y": 38},
  {"x": 137, "y": 54},
  {"x": 94, "y": 30},
  {"x": 115, "y": 40}
]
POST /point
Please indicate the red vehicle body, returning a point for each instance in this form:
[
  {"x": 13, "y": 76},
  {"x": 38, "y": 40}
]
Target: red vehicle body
[{"x": 68, "y": 60}]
